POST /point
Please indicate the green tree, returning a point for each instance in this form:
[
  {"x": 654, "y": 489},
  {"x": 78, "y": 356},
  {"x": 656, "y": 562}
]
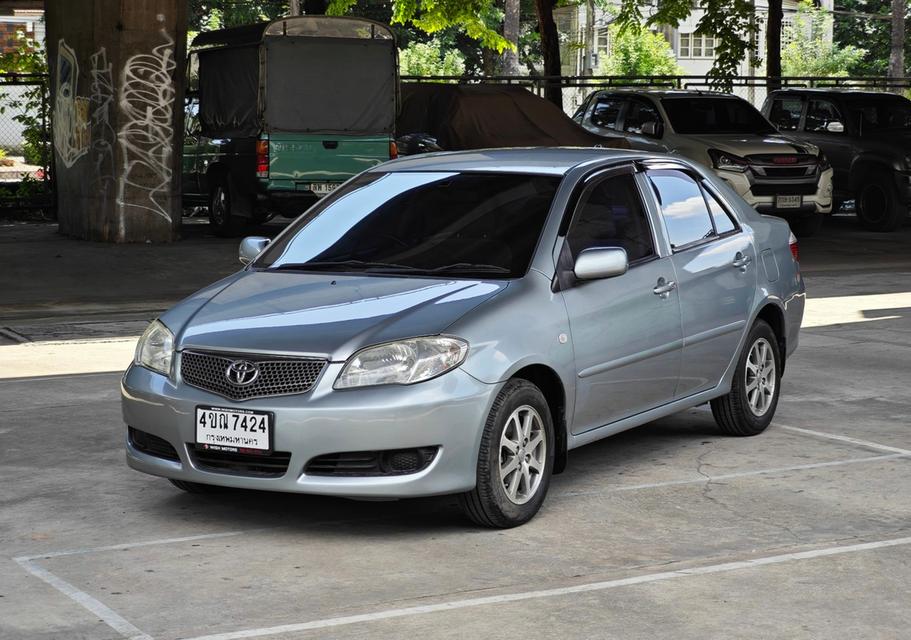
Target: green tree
[
  {"x": 430, "y": 59},
  {"x": 638, "y": 52},
  {"x": 809, "y": 51},
  {"x": 207, "y": 15},
  {"x": 873, "y": 33},
  {"x": 32, "y": 106}
]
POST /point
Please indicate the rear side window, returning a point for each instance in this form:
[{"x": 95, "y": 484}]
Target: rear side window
[
  {"x": 606, "y": 112},
  {"x": 611, "y": 214},
  {"x": 821, "y": 114},
  {"x": 785, "y": 113},
  {"x": 723, "y": 222},
  {"x": 683, "y": 206},
  {"x": 639, "y": 113}
]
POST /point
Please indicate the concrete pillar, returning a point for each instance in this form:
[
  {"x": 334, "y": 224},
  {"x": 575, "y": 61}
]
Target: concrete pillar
[{"x": 117, "y": 84}]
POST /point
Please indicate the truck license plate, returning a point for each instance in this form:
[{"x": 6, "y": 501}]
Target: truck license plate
[{"x": 787, "y": 202}]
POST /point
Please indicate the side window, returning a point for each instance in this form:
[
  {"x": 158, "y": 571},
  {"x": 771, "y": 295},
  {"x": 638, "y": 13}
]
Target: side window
[
  {"x": 785, "y": 113},
  {"x": 822, "y": 117},
  {"x": 721, "y": 218},
  {"x": 685, "y": 212},
  {"x": 611, "y": 214},
  {"x": 638, "y": 114},
  {"x": 606, "y": 112}
]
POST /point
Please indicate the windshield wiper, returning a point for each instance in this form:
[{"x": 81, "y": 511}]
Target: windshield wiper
[
  {"x": 319, "y": 265},
  {"x": 460, "y": 267}
]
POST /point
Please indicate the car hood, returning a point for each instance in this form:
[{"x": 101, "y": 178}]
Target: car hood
[
  {"x": 321, "y": 315},
  {"x": 741, "y": 144}
]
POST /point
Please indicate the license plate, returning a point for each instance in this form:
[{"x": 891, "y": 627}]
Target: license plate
[
  {"x": 788, "y": 202},
  {"x": 323, "y": 188},
  {"x": 233, "y": 430}
]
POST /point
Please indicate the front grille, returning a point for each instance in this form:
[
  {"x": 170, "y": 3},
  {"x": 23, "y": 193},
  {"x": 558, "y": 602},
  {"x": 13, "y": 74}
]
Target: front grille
[
  {"x": 277, "y": 376},
  {"x": 788, "y": 172},
  {"x": 804, "y": 189},
  {"x": 392, "y": 462},
  {"x": 272, "y": 465},
  {"x": 152, "y": 445},
  {"x": 782, "y": 159}
]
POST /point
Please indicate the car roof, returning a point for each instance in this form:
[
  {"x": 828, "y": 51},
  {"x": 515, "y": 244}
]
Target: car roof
[
  {"x": 833, "y": 90},
  {"x": 669, "y": 93},
  {"x": 554, "y": 161}
]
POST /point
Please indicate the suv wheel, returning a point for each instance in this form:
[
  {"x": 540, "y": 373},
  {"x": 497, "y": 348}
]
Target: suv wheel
[
  {"x": 221, "y": 218},
  {"x": 515, "y": 460},
  {"x": 878, "y": 205},
  {"x": 806, "y": 226},
  {"x": 749, "y": 407}
]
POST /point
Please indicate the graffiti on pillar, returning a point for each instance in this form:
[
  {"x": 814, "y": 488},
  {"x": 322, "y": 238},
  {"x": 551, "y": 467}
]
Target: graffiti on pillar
[
  {"x": 71, "y": 112},
  {"x": 146, "y": 136},
  {"x": 101, "y": 100}
]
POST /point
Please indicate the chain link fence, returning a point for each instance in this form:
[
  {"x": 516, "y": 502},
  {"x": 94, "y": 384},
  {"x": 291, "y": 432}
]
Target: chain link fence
[{"x": 26, "y": 181}]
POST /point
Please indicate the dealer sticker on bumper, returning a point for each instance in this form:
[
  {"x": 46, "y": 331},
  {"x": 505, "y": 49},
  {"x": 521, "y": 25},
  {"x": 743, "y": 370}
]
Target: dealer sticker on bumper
[{"x": 233, "y": 430}]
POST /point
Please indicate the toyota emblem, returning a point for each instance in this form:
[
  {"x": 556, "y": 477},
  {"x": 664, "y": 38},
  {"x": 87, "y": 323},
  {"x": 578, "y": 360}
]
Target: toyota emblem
[{"x": 242, "y": 373}]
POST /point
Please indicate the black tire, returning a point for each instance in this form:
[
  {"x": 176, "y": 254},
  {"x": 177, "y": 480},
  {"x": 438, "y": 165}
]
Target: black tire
[
  {"x": 195, "y": 487},
  {"x": 734, "y": 413},
  {"x": 878, "y": 205},
  {"x": 806, "y": 226},
  {"x": 489, "y": 504},
  {"x": 221, "y": 217}
]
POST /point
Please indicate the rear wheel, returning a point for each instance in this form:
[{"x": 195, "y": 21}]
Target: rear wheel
[
  {"x": 878, "y": 205},
  {"x": 515, "y": 460},
  {"x": 749, "y": 407},
  {"x": 195, "y": 487},
  {"x": 221, "y": 216}
]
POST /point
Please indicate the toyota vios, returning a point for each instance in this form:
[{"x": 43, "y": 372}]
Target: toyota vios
[{"x": 456, "y": 323}]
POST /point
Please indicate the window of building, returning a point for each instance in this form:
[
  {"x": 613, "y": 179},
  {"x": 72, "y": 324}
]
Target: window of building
[{"x": 693, "y": 45}]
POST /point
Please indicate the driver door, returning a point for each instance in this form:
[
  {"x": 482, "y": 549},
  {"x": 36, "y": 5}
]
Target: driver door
[{"x": 626, "y": 330}]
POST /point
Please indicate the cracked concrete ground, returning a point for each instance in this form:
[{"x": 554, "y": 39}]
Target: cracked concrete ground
[{"x": 667, "y": 531}]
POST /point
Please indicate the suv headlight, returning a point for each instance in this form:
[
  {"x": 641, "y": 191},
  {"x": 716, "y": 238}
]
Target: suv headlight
[
  {"x": 403, "y": 362},
  {"x": 724, "y": 161},
  {"x": 156, "y": 348}
]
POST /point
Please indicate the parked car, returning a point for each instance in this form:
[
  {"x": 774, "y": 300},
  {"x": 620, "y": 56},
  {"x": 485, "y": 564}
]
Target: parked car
[
  {"x": 866, "y": 136},
  {"x": 455, "y": 323},
  {"x": 280, "y": 113},
  {"x": 774, "y": 173}
]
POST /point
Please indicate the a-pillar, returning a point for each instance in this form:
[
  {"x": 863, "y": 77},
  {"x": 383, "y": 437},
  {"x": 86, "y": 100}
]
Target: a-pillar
[{"x": 117, "y": 83}]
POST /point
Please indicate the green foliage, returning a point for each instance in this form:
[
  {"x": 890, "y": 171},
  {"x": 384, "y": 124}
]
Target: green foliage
[
  {"x": 638, "y": 52},
  {"x": 474, "y": 17},
  {"x": 430, "y": 59},
  {"x": 810, "y": 52},
  {"x": 32, "y": 106},
  {"x": 874, "y": 35},
  {"x": 208, "y": 15}
]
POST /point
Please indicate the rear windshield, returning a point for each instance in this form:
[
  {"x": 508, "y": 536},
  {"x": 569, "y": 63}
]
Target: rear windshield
[
  {"x": 707, "y": 115},
  {"x": 421, "y": 223},
  {"x": 881, "y": 113}
]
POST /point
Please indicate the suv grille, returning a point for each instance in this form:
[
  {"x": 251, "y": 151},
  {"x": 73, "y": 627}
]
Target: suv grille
[
  {"x": 277, "y": 376},
  {"x": 273, "y": 465},
  {"x": 392, "y": 462}
]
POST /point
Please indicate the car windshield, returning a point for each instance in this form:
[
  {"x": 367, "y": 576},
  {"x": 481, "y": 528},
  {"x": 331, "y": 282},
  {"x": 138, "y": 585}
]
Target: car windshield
[
  {"x": 881, "y": 113},
  {"x": 420, "y": 223},
  {"x": 708, "y": 114}
]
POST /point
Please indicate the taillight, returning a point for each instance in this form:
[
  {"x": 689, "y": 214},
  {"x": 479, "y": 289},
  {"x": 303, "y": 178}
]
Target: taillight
[
  {"x": 262, "y": 158},
  {"x": 795, "y": 252},
  {"x": 393, "y": 150}
]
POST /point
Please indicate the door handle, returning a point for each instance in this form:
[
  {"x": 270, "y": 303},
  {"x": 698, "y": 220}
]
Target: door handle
[
  {"x": 664, "y": 288},
  {"x": 741, "y": 261}
]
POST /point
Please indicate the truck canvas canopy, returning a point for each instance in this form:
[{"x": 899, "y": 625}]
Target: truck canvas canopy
[{"x": 304, "y": 74}]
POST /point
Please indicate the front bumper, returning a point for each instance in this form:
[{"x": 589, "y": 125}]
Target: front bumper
[
  {"x": 761, "y": 194},
  {"x": 448, "y": 412}
]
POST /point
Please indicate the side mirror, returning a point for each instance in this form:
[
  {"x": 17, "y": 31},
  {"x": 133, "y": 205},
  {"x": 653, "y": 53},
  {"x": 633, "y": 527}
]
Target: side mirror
[
  {"x": 250, "y": 248},
  {"x": 835, "y": 127},
  {"x": 652, "y": 129},
  {"x": 601, "y": 262}
]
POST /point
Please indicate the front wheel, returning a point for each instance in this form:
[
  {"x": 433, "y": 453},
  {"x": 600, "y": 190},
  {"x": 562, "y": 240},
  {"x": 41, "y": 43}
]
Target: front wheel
[
  {"x": 878, "y": 205},
  {"x": 806, "y": 226},
  {"x": 515, "y": 460},
  {"x": 749, "y": 407}
]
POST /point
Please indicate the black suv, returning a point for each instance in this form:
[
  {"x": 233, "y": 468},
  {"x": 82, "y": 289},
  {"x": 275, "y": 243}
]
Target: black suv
[{"x": 866, "y": 136}]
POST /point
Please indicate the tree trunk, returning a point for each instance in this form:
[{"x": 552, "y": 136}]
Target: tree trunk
[
  {"x": 897, "y": 56},
  {"x": 588, "y": 66},
  {"x": 550, "y": 49},
  {"x": 509, "y": 61},
  {"x": 773, "y": 45},
  {"x": 294, "y": 7}
]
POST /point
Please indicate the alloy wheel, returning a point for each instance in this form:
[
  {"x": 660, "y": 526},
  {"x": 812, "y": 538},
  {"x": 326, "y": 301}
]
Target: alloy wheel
[
  {"x": 874, "y": 203},
  {"x": 523, "y": 453},
  {"x": 761, "y": 377}
]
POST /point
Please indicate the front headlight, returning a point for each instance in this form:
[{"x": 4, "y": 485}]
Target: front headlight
[
  {"x": 402, "y": 362},
  {"x": 724, "y": 161},
  {"x": 156, "y": 348}
]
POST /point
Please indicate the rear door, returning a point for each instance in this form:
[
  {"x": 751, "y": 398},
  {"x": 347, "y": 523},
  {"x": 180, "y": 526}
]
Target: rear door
[
  {"x": 715, "y": 265},
  {"x": 626, "y": 332}
]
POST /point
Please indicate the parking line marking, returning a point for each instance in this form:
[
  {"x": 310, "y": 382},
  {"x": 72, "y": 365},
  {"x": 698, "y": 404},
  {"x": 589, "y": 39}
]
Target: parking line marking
[
  {"x": 104, "y": 613},
  {"x": 737, "y": 474},
  {"x": 549, "y": 593},
  {"x": 834, "y": 436}
]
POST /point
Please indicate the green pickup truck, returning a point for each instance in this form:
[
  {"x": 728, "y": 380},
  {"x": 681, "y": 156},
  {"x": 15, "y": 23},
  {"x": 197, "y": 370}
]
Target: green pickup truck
[{"x": 280, "y": 113}]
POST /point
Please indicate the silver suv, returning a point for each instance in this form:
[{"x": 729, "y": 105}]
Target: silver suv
[{"x": 774, "y": 173}]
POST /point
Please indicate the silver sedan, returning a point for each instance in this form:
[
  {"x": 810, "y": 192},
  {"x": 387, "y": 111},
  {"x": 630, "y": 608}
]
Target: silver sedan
[{"x": 456, "y": 323}]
